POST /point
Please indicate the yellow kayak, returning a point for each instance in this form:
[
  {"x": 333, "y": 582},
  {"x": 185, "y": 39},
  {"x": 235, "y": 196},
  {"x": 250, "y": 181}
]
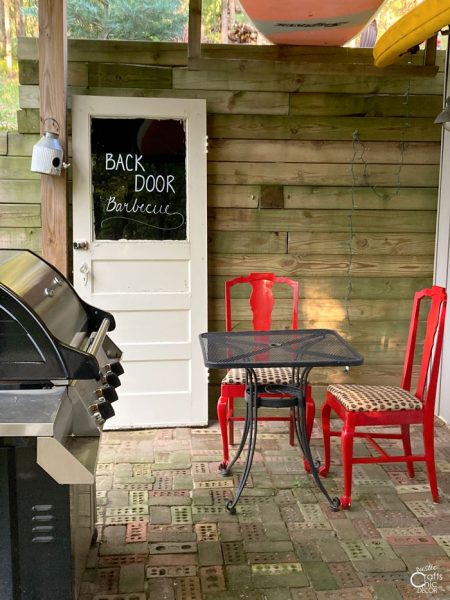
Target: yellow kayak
[{"x": 416, "y": 26}]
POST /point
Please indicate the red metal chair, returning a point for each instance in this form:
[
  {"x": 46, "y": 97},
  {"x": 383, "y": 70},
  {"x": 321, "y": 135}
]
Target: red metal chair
[
  {"x": 373, "y": 405},
  {"x": 233, "y": 385}
]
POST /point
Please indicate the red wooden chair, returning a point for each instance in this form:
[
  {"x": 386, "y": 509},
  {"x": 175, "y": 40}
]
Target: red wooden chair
[
  {"x": 233, "y": 385},
  {"x": 385, "y": 405}
]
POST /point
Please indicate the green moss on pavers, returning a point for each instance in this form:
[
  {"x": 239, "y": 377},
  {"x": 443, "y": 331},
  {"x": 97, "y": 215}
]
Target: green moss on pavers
[
  {"x": 103, "y": 482},
  {"x": 201, "y": 498},
  {"x": 123, "y": 469},
  {"x": 239, "y": 579},
  {"x": 132, "y": 578},
  {"x": 171, "y": 533},
  {"x": 345, "y": 530},
  {"x": 275, "y": 594},
  {"x": 229, "y": 532},
  {"x": 307, "y": 551},
  {"x": 386, "y": 591},
  {"x": 160, "y": 515},
  {"x": 258, "y": 491},
  {"x": 282, "y": 546},
  {"x": 208, "y": 514},
  {"x": 320, "y": 576},
  {"x": 419, "y": 552},
  {"x": 214, "y": 458},
  {"x": 209, "y": 553},
  {"x": 117, "y": 498},
  {"x": 276, "y": 531},
  {"x": 279, "y": 575},
  {"x": 262, "y": 480},
  {"x": 167, "y": 500},
  {"x": 381, "y": 565},
  {"x": 180, "y": 460},
  {"x": 243, "y": 595},
  {"x": 182, "y": 482},
  {"x": 332, "y": 550},
  {"x": 107, "y": 453}
]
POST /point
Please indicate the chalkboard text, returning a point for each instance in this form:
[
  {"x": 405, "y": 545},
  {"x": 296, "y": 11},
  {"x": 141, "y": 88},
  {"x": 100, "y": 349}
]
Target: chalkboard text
[{"x": 126, "y": 162}]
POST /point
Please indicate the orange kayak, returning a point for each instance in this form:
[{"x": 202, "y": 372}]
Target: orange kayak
[{"x": 310, "y": 22}]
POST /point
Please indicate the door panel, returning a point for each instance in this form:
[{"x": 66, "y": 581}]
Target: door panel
[{"x": 139, "y": 201}]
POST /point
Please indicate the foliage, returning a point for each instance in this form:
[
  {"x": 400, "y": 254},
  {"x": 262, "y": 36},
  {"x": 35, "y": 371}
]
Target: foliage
[
  {"x": 85, "y": 19},
  {"x": 211, "y": 20},
  {"x": 391, "y": 11},
  {"x": 152, "y": 20},
  {"x": 9, "y": 98}
]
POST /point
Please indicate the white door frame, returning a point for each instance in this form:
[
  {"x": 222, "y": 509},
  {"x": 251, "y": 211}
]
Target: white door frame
[{"x": 442, "y": 259}]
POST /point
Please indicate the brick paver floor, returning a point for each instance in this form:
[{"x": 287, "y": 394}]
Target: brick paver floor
[{"x": 164, "y": 533}]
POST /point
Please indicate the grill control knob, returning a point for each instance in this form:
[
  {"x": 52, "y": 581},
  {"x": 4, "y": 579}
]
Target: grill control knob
[
  {"x": 112, "y": 379},
  {"x": 108, "y": 393},
  {"x": 106, "y": 410},
  {"x": 116, "y": 368}
]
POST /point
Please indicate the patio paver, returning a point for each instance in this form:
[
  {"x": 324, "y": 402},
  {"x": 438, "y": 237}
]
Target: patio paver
[{"x": 164, "y": 533}]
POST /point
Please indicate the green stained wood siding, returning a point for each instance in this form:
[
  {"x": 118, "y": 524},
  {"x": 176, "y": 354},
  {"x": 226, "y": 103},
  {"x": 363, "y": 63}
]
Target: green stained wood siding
[{"x": 320, "y": 167}]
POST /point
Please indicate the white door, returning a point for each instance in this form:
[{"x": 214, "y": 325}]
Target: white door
[{"x": 139, "y": 220}]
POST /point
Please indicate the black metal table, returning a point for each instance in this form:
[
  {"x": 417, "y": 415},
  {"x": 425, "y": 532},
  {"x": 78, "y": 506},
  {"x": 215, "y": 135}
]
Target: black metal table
[{"x": 302, "y": 350}]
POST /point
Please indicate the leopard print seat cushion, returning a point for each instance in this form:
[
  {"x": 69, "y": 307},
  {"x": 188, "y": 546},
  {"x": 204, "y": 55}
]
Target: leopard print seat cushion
[
  {"x": 271, "y": 375},
  {"x": 363, "y": 398}
]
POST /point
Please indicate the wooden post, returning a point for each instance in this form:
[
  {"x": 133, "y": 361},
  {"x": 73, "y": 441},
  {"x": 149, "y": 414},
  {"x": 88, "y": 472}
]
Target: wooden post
[
  {"x": 430, "y": 51},
  {"x": 195, "y": 31},
  {"x": 53, "y": 94}
]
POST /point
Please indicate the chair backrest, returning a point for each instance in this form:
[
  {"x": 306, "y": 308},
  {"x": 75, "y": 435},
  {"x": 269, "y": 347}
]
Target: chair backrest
[
  {"x": 261, "y": 299},
  {"x": 432, "y": 346}
]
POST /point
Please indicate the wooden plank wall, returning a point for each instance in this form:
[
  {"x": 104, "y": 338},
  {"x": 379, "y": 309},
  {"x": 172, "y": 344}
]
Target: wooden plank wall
[{"x": 320, "y": 167}]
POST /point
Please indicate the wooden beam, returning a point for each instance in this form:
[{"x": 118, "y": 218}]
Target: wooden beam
[
  {"x": 53, "y": 97},
  {"x": 430, "y": 51},
  {"x": 195, "y": 31}
]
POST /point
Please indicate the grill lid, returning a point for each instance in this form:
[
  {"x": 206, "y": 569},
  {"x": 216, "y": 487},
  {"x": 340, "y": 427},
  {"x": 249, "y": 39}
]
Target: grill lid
[{"x": 40, "y": 317}]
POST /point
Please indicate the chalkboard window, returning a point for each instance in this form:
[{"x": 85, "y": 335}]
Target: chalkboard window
[{"x": 139, "y": 178}]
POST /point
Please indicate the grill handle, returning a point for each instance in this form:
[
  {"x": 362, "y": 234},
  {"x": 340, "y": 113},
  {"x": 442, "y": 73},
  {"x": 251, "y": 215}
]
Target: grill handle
[{"x": 99, "y": 338}]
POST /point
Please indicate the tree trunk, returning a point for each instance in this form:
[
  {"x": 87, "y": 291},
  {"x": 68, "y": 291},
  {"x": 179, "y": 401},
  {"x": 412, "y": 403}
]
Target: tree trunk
[
  {"x": 231, "y": 12},
  {"x": 2, "y": 30},
  {"x": 19, "y": 19},
  {"x": 8, "y": 44},
  {"x": 224, "y": 24}
]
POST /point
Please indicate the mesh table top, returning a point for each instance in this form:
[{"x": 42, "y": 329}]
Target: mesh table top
[{"x": 285, "y": 348}]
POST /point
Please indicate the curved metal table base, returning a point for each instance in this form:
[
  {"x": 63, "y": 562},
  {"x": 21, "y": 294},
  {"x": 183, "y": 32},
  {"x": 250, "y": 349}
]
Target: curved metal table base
[{"x": 297, "y": 401}]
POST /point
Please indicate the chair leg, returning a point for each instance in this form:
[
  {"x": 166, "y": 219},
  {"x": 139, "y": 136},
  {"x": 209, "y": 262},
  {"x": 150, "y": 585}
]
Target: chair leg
[
  {"x": 428, "y": 442},
  {"x": 407, "y": 448},
  {"x": 347, "y": 463},
  {"x": 310, "y": 414},
  {"x": 291, "y": 427},
  {"x": 230, "y": 413},
  {"x": 222, "y": 410},
  {"x": 326, "y": 411}
]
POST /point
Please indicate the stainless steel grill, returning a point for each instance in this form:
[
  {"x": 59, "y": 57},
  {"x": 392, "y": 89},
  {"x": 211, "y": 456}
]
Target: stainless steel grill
[{"x": 59, "y": 371}]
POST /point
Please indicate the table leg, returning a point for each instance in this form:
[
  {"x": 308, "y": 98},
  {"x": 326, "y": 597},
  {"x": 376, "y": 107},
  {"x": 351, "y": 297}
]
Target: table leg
[
  {"x": 300, "y": 428},
  {"x": 298, "y": 392},
  {"x": 250, "y": 432}
]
